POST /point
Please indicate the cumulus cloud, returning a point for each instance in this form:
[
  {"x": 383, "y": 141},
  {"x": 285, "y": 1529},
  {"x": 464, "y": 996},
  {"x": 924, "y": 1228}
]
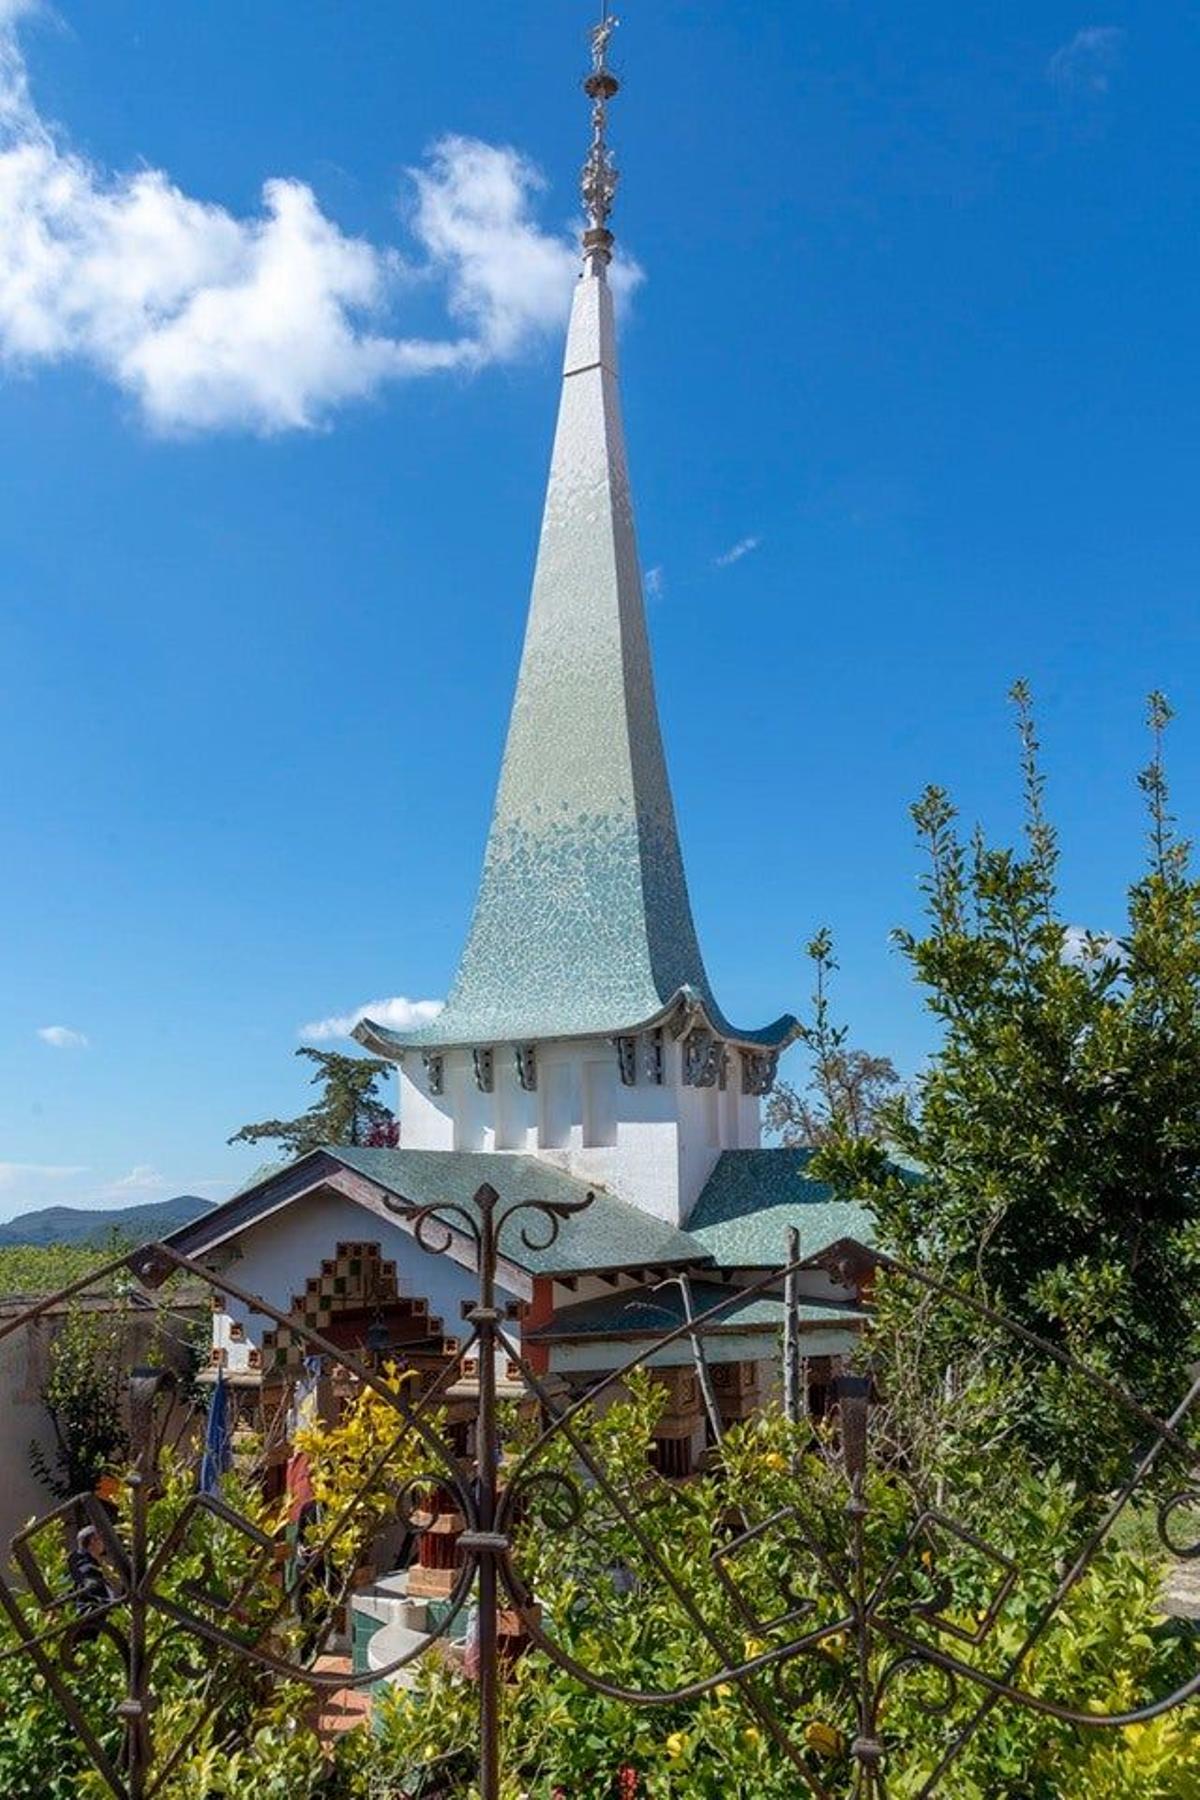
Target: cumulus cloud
[
  {"x": 209, "y": 320},
  {"x": 1087, "y": 63},
  {"x": 62, "y": 1037},
  {"x": 735, "y": 553},
  {"x": 397, "y": 1013}
]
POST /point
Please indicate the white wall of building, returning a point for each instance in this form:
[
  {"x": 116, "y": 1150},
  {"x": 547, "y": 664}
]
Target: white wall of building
[
  {"x": 275, "y": 1259},
  {"x": 23, "y": 1422},
  {"x": 653, "y": 1145}
]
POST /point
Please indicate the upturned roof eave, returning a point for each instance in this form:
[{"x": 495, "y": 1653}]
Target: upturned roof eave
[{"x": 686, "y": 1006}]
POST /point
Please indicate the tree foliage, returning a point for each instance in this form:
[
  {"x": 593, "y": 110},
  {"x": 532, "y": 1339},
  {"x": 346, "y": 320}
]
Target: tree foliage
[
  {"x": 32, "y": 1270},
  {"x": 347, "y": 1111},
  {"x": 82, "y": 1395},
  {"x": 846, "y": 1089},
  {"x": 1058, "y": 1123},
  {"x": 1108, "y": 1647},
  {"x": 239, "y": 1732}
]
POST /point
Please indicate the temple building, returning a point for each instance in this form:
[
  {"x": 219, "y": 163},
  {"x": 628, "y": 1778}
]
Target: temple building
[{"x": 582, "y": 1048}]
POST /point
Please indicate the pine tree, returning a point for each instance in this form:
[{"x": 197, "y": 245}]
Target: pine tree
[{"x": 349, "y": 1110}]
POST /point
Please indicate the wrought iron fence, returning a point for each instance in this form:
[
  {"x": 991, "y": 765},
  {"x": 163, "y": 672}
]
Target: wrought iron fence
[{"x": 846, "y": 1558}]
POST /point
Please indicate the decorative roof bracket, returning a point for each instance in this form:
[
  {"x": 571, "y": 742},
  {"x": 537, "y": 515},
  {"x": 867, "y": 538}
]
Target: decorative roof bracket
[
  {"x": 759, "y": 1068},
  {"x": 485, "y": 1068},
  {"x": 627, "y": 1060},
  {"x": 702, "y": 1054},
  {"x": 435, "y": 1071},
  {"x": 525, "y": 1058}
]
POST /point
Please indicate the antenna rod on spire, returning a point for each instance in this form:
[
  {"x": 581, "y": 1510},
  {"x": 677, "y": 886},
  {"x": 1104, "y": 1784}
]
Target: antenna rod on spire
[{"x": 599, "y": 180}]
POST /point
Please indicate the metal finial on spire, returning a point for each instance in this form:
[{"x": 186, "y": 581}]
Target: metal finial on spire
[{"x": 599, "y": 181}]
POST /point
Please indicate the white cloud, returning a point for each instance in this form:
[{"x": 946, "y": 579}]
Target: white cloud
[
  {"x": 16, "y": 1174},
  {"x": 1084, "y": 948},
  {"x": 1087, "y": 63},
  {"x": 143, "y": 1178},
  {"x": 62, "y": 1037},
  {"x": 208, "y": 320},
  {"x": 735, "y": 553},
  {"x": 655, "y": 583},
  {"x": 397, "y": 1013}
]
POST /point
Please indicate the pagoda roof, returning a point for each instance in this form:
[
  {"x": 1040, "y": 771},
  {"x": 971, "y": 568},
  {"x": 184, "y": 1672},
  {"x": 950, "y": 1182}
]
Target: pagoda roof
[{"x": 583, "y": 925}]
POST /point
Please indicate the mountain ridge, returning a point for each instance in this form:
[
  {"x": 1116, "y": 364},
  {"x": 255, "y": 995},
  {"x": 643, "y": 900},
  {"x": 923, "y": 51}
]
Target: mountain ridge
[{"x": 78, "y": 1225}]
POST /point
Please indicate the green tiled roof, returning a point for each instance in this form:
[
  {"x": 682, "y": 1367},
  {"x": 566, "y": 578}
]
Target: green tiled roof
[
  {"x": 582, "y": 925},
  {"x": 753, "y": 1196},
  {"x": 740, "y": 1220},
  {"x": 653, "y": 1312},
  {"x": 611, "y": 1234}
]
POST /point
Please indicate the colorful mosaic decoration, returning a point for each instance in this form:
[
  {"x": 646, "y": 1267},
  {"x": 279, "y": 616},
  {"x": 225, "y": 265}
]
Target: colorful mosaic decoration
[{"x": 357, "y": 1278}]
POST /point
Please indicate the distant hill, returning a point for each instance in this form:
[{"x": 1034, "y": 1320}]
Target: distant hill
[{"x": 73, "y": 1225}]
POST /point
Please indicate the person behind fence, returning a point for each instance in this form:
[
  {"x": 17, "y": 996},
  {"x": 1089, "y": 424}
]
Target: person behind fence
[{"x": 90, "y": 1587}]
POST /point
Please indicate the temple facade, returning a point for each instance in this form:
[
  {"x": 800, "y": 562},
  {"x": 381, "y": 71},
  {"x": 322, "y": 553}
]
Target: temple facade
[
  {"x": 582, "y": 1049},
  {"x": 581, "y": 1027}
]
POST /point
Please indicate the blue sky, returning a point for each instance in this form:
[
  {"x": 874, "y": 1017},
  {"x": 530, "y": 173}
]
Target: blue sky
[{"x": 915, "y": 330}]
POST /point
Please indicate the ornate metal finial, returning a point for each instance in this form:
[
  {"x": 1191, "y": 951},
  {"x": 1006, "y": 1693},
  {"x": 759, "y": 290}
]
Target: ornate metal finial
[{"x": 600, "y": 170}]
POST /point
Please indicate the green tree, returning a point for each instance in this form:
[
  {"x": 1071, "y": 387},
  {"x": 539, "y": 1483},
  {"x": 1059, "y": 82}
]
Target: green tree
[
  {"x": 34, "y": 1269},
  {"x": 348, "y": 1111},
  {"x": 82, "y": 1396},
  {"x": 1058, "y": 1123},
  {"x": 846, "y": 1089}
]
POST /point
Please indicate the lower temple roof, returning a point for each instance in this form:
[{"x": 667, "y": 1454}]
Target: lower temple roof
[
  {"x": 648, "y": 1312},
  {"x": 609, "y": 1234},
  {"x": 740, "y": 1220},
  {"x": 752, "y": 1199}
]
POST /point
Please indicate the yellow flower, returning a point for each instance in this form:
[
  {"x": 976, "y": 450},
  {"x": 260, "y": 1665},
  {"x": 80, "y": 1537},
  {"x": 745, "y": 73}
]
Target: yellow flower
[
  {"x": 775, "y": 1460},
  {"x": 752, "y": 1736},
  {"x": 824, "y": 1739},
  {"x": 676, "y": 1744},
  {"x": 723, "y": 1690},
  {"x": 834, "y": 1645},
  {"x": 755, "y": 1647}
]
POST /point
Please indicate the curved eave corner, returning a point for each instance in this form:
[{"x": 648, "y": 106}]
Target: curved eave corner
[{"x": 686, "y": 1011}]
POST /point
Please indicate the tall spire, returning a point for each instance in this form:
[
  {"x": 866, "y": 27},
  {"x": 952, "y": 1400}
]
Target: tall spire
[
  {"x": 582, "y": 925},
  {"x": 599, "y": 177}
]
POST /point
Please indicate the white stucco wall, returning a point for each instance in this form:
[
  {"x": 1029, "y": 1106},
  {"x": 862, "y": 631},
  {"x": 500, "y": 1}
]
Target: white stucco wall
[
  {"x": 653, "y": 1145},
  {"x": 276, "y": 1257},
  {"x": 23, "y": 1422}
]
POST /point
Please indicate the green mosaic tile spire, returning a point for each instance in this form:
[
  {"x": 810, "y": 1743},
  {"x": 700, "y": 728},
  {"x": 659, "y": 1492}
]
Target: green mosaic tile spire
[{"x": 583, "y": 924}]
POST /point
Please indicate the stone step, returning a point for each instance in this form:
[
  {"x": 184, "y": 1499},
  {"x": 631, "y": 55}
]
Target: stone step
[
  {"x": 392, "y": 1642},
  {"x": 1181, "y": 1591},
  {"x": 387, "y": 1601}
]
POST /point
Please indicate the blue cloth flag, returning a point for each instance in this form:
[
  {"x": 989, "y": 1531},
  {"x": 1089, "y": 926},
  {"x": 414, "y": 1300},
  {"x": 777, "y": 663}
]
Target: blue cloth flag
[{"x": 217, "y": 1454}]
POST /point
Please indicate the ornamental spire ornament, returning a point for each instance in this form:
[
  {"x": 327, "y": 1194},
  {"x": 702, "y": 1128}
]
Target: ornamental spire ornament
[{"x": 599, "y": 176}]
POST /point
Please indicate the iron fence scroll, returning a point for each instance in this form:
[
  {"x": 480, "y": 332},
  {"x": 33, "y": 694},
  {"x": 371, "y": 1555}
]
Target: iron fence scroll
[{"x": 782, "y": 1586}]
